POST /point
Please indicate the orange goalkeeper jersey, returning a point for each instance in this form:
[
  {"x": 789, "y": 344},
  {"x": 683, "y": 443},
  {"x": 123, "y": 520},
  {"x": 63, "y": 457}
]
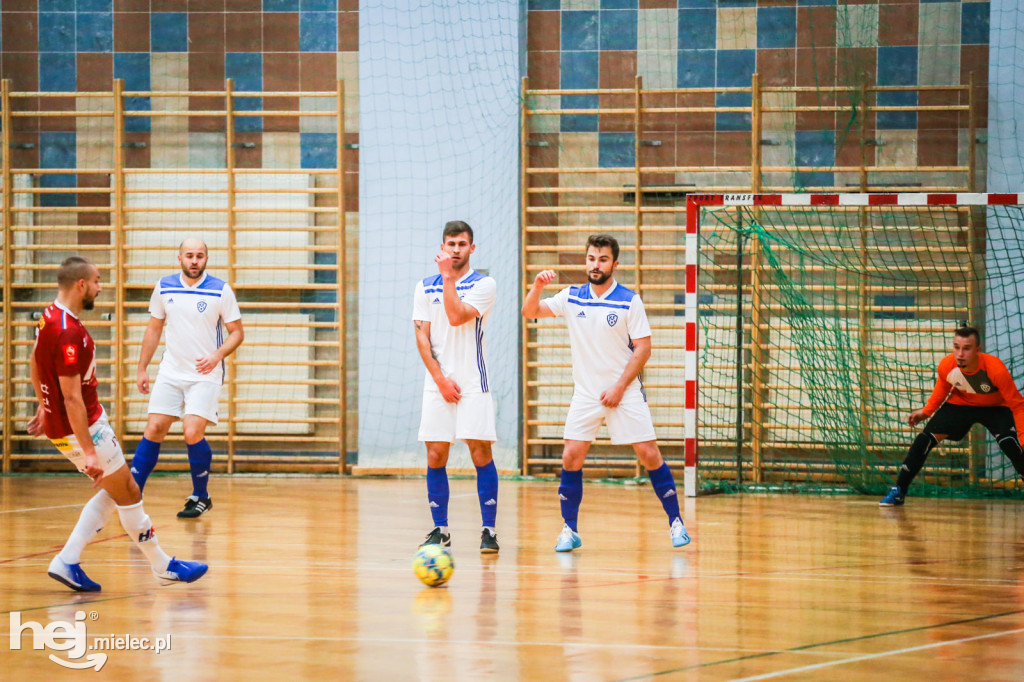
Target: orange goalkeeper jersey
[{"x": 990, "y": 386}]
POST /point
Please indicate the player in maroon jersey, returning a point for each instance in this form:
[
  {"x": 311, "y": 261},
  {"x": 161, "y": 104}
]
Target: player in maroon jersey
[{"x": 63, "y": 367}]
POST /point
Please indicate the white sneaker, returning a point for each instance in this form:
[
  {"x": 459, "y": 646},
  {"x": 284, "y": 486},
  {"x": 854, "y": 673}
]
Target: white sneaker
[
  {"x": 678, "y": 532},
  {"x": 568, "y": 540}
]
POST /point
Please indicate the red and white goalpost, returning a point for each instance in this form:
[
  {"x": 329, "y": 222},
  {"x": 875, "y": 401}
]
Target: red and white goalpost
[{"x": 695, "y": 202}]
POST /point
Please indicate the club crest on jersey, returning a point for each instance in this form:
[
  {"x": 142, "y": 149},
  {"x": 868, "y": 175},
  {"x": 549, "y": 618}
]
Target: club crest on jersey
[
  {"x": 70, "y": 355},
  {"x": 612, "y": 319},
  {"x": 985, "y": 388},
  {"x": 201, "y": 305}
]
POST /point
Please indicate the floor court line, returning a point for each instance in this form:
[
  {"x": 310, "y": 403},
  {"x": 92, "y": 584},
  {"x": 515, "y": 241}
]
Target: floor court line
[
  {"x": 504, "y": 643},
  {"x": 57, "y": 548},
  {"x": 883, "y": 654},
  {"x": 818, "y": 645},
  {"x": 32, "y": 509}
]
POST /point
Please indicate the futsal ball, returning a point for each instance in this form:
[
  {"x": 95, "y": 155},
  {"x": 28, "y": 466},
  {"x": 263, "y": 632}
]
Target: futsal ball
[{"x": 433, "y": 565}]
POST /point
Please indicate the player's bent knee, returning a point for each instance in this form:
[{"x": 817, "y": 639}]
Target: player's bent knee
[{"x": 121, "y": 487}]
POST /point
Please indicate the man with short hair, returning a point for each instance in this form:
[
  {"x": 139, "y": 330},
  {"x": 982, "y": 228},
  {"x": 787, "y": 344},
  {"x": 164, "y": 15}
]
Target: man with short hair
[
  {"x": 63, "y": 370},
  {"x": 196, "y": 307},
  {"x": 450, "y": 313},
  {"x": 971, "y": 388},
  {"x": 610, "y": 340}
]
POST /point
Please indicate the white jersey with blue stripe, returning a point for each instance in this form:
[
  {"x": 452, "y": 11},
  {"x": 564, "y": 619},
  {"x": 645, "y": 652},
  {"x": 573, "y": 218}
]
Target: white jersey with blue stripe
[
  {"x": 194, "y": 318},
  {"x": 461, "y": 351},
  {"x": 601, "y": 333}
]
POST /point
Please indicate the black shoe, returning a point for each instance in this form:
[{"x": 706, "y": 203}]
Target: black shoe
[
  {"x": 195, "y": 507},
  {"x": 488, "y": 542},
  {"x": 436, "y": 537}
]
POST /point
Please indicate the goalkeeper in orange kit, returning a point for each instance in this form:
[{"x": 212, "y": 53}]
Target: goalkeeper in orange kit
[{"x": 971, "y": 388}]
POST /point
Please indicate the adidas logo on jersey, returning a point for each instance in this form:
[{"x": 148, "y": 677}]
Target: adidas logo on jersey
[
  {"x": 491, "y": 502},
  {"x": 170, "y": 301},
  {"x": 436, "y": 300},
  {"x": 583, "y": 314}
]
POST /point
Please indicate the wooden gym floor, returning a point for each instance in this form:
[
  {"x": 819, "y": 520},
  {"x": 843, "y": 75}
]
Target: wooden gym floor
[{"x": 310, "y": 578}]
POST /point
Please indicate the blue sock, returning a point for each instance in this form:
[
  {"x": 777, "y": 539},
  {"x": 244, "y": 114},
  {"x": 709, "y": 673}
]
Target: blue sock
[
  {"x": 200, "y": 456},
  {"x": 570, "y": 492},
  {"x": 665, "y": 488},
  {"x": 437, "y": 494},
  {"x": 487, "y": 491},
  {"x": 144, "y": 461}
]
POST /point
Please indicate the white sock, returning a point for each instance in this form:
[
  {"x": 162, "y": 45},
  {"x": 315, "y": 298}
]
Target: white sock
[
  {"x": 140, "y": 529},
  {"x": 490, "y": 529},
  {"x": 444, "y": 530},
  {"x": 94, "y": 516}
]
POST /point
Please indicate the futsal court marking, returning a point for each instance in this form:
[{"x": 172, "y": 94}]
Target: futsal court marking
[
  {"x": 32, "y": 509},
  {"x": 883, "y": 654},
  {"x": 83, "y": 602},
  {"x": 58, "y": 548},
  {"x": 808, "y": 647},
  {"x": 488, "y": 642},
  {"x": 651, "y": 576}
]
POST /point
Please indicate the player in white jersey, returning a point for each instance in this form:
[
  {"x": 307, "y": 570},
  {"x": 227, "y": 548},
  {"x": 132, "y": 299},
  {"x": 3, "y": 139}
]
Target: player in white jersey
[
  {"x": 610, "y": 341},
  {"x": 195, "y": 308},
  {"x": 450, "y": 313}
]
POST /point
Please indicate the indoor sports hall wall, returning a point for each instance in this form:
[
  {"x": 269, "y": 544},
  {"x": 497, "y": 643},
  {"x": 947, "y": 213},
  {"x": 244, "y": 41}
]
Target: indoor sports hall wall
[{"x": 438, "y": 91}]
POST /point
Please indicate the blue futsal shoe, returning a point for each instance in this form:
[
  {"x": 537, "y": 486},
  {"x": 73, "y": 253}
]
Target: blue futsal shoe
[
  {"x": 568, "y": 540},
  {"x": 182, "y": 572},
  {"x": 678, "y": 532},
  {"x": 895, "y": 498},
  {"x": 71, "y": 575}
]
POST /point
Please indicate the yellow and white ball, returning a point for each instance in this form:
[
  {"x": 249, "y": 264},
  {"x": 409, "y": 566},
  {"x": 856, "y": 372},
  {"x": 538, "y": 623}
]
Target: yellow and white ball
[{"x": 433, "y": 565}]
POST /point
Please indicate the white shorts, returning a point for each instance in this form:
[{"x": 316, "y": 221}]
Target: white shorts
[
  {"x": 108, "y": 450},
  {"x": 629, "y": 422},
  {"x": 472, "y": 418},
  {"x": 178, "y": 398}
]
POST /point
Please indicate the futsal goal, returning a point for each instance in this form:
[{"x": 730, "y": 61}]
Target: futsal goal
[{"x": 815, "y": 323}]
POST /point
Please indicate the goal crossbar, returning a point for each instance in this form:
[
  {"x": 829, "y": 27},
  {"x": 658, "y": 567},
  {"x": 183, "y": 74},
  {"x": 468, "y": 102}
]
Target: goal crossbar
[{"x": 694, "y": 204}]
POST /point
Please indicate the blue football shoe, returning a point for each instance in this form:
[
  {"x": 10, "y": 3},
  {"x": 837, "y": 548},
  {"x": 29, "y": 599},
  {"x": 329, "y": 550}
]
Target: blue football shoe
[
  {"x": 182, "y": 572},
  {"x": 71, "y": 575}
]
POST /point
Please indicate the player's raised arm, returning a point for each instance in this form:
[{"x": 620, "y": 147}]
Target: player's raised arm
[
  {"x": 457, "y": 311},
  {"x": 533, "y": 307}
]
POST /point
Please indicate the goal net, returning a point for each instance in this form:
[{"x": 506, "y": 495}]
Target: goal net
[{"x": 821, "y": 321}]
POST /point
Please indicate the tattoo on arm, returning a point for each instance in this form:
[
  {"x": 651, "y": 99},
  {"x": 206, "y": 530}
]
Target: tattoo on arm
[
  {"x": 419, "y": 324},
  {"x": 433, "y": 354}
]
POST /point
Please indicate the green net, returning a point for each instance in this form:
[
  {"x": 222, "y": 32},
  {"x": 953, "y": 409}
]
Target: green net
[{"x": 821, "y": 330}]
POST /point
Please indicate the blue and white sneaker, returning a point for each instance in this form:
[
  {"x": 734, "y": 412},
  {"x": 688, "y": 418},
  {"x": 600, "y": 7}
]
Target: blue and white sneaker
[
  {"x": 71, "y": 575},
  {"x": 568, "y": 540},
  {"x": 182, "y": 572},
  {"x": 895, "y": 498},
  {"x": 679, "y": 535}
]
